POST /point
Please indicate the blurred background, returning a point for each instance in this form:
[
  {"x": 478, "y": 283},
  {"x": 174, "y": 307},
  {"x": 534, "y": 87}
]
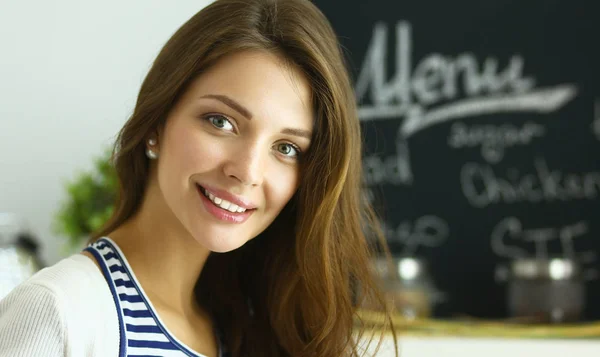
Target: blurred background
[
  {"x": 70, "y": 74},
  {"x": 482, "y": 138},
  {"x": 481, "y": 122}
]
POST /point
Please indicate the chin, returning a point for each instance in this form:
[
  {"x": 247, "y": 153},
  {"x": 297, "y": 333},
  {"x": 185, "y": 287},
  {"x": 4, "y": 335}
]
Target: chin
[{"x": 221, "y": 244}]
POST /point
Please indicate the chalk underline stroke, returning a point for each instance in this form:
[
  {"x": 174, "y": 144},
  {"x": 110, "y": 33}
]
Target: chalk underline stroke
[{"x": 542, "y": 100}]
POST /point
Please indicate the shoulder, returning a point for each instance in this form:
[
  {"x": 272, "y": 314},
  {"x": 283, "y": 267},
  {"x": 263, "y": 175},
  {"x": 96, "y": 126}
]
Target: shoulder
[
  {"x": 73, "y": 282},
  {"x": 68, "y": 306},
  {"x": 75, "y": 276}
]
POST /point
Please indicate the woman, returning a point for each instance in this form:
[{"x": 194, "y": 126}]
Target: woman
[{"x": 240, "y": 227}]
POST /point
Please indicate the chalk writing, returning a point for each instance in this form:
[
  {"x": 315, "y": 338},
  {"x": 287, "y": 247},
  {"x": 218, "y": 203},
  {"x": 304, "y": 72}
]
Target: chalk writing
[
  {"x": 436, "y": 79},
  {"x": 426, "y": 231},
  {"x": 392, "y": 169},
  {"x": 482, "y": 186},
  {"x": 509, "y": 239},
  {"x": 508, "y": 235},
  {"x": 493, "y": 139}
]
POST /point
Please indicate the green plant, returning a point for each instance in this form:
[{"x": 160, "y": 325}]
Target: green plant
[{"x": 90, "y": 201}]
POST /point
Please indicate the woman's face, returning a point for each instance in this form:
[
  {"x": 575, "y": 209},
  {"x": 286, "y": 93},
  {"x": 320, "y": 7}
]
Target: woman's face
[{"x": 230, "y": 151}]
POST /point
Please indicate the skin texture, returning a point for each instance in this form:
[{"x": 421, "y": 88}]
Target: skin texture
[{"x": 209, "y": 143}]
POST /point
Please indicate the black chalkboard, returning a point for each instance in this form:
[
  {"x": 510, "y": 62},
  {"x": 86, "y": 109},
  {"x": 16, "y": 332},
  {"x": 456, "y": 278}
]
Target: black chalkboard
[{"x": 482, "y": 132}]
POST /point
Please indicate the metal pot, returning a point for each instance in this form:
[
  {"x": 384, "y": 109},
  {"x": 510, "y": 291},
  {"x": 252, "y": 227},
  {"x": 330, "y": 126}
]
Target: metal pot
[{"x": 545, "y": 290}]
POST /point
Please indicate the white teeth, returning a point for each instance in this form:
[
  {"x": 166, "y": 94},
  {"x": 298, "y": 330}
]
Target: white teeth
[{"x": 224, "y": 204}]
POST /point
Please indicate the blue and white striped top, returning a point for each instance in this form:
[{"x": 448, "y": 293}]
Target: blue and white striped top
[{"x": 141, "y": 330}]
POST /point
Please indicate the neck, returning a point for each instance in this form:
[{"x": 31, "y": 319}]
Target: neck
[{"x": 165, "y": 258}]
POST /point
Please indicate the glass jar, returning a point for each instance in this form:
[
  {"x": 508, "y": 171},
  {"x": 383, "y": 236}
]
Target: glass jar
[{"x": 407, "y": 285}]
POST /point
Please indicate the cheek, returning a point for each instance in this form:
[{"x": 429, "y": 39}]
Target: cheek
[
  {"x": 191, "y": 152},
  {"x": 283, "y": 186}
]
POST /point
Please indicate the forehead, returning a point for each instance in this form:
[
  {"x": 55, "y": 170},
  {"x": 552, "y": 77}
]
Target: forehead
[{"x": 262, "y": 82}]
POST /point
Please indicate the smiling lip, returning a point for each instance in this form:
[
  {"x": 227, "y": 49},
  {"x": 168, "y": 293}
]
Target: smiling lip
[
  {"x": 222, "y": 214},
  {"x": 240, "y": 201}
]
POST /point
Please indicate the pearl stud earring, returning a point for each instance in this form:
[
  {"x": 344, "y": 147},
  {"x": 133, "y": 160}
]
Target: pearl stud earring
[{"x": 149, "y": 152}]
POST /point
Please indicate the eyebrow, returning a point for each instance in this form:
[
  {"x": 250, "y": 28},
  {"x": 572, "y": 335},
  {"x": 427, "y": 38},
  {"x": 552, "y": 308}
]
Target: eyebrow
[
  {"x": 230, "y": 103},
  {"x": 246, "y": 113},
  {"x": 297, "y": 132}
]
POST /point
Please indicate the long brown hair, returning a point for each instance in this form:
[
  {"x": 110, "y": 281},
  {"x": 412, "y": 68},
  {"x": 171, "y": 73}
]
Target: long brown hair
[{"x": 294, "y": 289}]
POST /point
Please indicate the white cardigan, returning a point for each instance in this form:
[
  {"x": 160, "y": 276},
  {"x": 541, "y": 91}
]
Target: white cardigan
[{"x": 66, "y": 310}]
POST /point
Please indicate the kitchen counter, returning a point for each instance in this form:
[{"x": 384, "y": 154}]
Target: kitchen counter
[
  {"x": 477, "y": 338},
  {"x": 413, "y": 346}
]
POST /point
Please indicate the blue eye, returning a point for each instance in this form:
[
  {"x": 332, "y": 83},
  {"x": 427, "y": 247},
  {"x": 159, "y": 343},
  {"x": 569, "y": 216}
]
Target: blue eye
[
  {"x": 289, "y": 150},
  {"x": 220, "y": 122}
]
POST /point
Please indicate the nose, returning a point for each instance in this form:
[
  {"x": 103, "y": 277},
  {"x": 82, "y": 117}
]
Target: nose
[{"x": 247, "y": 165}]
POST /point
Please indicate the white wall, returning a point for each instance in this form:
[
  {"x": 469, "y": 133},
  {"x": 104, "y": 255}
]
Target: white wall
[{"x": 70, "y": 71}]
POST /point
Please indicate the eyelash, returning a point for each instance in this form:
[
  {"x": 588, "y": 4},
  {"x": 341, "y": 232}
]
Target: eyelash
[
  {"x": 294, "y": 146},
  {"x": 211, "y": 116}
]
